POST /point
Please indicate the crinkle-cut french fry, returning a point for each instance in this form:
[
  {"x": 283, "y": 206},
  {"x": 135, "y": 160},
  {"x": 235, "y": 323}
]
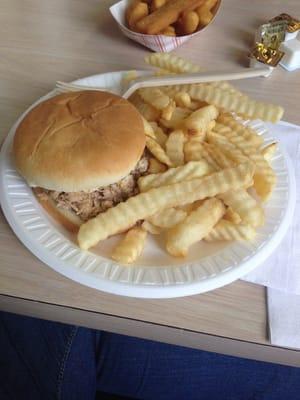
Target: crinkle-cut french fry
[
  {"x": 264, "y": 177},
  {"x": 161, "y": 72},
  {"x": 155, "y": 97},
  {"x": 182, "y": 99},
  {"x": 246, "y": 132},
  {"x": 232, "y": 216},
  {"x": 227, "y": 86},
  {"x": 131, "y": 246},
  {"x": 222, "y": 85},
  {"x": 194, "y": 227},
  {"x": 245, "y": 205},
  {"x": 171, "y": 62},
  {"x": 231, "y": 102},
  {"x": 232, "y": 136},
  {"x": 194, "y": 151},
  {"x": 149, "y": 131},
  {"x": 167, "y": 112},
  {"x": 144, "y": 205},
  {"x": 177, "y": 116},
  {"x": 168, "y": 218},
  {"x": 197, "y": 123},
  {"x": 159, "y": 135},
  {"x": 188, "y": 207},
  {"x": 148, "y": 112},
  {"x": 228, "y": 149},
  {"x": 226, "y": 230},
  {"x": 211, "y": 126},
  {"x": 269, "y": 151},
  {"x": 219, "y": 157},
  {"x": 149, "y": 227},
  {"x": 195, "y": 105},
  {"x": 191, "y": 170},
  {"x": 174, "y": 147},
  {"x": 240, "y": 201},
  {"x": 156, "y": 166},
  {"x": 158, "y": 151}
]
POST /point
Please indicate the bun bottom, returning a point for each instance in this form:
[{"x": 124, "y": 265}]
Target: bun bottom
[{"x": 66, "y": 218}]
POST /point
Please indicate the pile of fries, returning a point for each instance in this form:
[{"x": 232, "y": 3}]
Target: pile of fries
[
  {"x": 209, "y": 174},
  {"x": 169, "y": 17}
]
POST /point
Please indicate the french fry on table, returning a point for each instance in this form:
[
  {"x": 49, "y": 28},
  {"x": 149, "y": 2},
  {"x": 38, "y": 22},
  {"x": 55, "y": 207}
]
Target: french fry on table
[
  {"x": 174, "y": 147},
  {"x": 144, "y": 205},
  {"x": 226, "y": 230},
  {"x": 170, "y": 62},
  {"x": 189, "y": 171},
  {"x": 131, "y": 246},
  {"x": 194, "y": 228}
]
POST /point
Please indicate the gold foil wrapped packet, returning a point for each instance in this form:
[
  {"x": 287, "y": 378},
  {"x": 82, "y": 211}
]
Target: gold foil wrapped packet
[
  {"x": 266, "y": 55},
  {"x": 293, "y": 24},
  {"x": 272, "y": 34}
]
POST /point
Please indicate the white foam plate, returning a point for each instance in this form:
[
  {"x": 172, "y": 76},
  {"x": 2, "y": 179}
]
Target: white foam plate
[{"x": 156, "y": 274}]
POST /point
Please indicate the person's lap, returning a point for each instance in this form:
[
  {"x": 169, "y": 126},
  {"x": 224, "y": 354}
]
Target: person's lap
[{"x": 49, "y": 360}]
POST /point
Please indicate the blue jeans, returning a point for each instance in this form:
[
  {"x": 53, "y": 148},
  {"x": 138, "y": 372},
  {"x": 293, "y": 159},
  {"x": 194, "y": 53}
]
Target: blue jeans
[{"x": 41, "y": 360}]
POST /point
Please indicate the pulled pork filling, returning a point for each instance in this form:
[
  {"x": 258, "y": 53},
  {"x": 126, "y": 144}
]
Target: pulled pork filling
[{"x": 89, "y": 204}]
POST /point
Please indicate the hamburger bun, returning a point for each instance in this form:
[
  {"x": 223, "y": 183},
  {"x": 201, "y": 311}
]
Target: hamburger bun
[{"x": 79, "y": 141}]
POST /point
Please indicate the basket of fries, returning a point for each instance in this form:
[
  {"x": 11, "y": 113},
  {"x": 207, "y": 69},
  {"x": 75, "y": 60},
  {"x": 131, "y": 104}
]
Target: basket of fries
[{"x": 163, "y": 25}]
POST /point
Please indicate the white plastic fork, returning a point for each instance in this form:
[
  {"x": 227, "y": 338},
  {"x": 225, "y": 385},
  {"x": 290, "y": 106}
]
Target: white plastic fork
[{"x": 168, "y": 80}]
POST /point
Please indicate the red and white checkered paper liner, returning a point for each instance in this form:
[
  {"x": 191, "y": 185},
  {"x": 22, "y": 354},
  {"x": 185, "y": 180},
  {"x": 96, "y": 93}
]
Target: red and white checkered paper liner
[{"x": 157, "y": 43}]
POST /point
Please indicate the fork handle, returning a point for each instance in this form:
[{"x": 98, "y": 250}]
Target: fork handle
[{"x": 199, "y": 77}]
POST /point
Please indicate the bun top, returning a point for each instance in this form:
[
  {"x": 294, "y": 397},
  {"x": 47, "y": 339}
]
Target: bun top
[{"x": 79, "y": 141}]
